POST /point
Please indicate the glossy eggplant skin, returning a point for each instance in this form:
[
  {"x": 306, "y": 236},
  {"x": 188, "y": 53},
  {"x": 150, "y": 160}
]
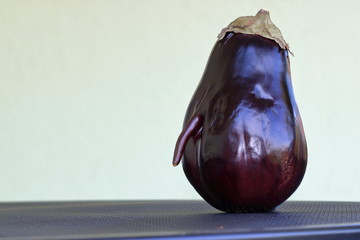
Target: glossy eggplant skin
[{"x": 246, "y": 149}]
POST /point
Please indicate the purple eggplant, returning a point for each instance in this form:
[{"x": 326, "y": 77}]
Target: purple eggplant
[{"x": 243, "y": 144}]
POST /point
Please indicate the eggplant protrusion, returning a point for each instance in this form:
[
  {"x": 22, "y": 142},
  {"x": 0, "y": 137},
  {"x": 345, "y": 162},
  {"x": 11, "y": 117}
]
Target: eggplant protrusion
[{"x": 191, "y": 128}]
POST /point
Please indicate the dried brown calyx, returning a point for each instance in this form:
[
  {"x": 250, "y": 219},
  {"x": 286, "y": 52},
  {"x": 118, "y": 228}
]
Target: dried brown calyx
[{"x": 259, "y": 24}]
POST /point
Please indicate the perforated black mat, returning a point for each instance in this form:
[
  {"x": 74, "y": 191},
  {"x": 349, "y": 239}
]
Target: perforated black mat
[{"x": 176, "y": 220}]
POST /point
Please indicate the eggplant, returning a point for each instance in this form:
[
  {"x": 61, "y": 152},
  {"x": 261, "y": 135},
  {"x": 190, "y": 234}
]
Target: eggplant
[{"x": 243, "y": 146}]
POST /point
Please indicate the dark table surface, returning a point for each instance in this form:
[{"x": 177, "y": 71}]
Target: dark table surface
[{"x": 176, "y": 220}]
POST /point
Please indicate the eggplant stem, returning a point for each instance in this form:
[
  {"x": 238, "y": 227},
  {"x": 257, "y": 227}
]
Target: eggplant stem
[{"x": 191, "y": 128}]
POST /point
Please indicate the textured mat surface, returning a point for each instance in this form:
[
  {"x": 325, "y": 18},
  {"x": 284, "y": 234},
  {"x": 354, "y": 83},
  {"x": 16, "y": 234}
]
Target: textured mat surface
[{"x": 176, "y": 220}]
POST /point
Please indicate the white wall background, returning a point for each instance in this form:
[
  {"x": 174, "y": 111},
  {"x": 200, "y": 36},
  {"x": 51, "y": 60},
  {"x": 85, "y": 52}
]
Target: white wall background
[{"x": 93, "y": 93}]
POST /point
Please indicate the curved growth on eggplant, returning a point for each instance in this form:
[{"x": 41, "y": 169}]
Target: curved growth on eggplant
[{"x": 243, "y": 144}]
